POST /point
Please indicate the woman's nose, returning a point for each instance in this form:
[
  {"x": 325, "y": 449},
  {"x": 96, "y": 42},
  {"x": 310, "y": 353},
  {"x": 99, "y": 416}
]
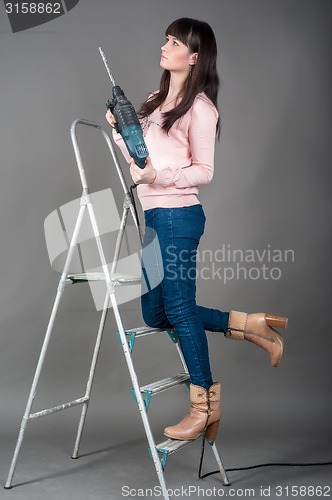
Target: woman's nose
[{"x": 164, "y": 47}]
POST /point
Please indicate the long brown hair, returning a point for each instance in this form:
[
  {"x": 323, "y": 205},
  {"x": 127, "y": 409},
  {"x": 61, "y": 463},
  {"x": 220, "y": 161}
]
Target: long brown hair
[{"x": 203, "y": 77}]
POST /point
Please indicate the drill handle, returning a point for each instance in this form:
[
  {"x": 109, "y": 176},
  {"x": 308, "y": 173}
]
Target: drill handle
[{"x": 110, "y": 104}]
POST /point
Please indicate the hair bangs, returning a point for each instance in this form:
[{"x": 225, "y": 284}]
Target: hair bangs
[{"x": 180, "y": 29}]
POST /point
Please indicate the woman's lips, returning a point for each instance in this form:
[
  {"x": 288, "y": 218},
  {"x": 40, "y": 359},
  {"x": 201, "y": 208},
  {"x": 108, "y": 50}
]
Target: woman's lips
[{"x": 163, "y": 57}]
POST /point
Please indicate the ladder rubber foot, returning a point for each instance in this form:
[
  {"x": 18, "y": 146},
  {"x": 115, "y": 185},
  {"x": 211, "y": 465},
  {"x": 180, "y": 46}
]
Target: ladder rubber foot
[
  {"x": 8, "y": 487},
  {"x": 75, "y": 458}
]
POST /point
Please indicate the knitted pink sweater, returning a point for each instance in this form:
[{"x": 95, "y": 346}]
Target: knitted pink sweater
[{"x": 183, "y": 159}]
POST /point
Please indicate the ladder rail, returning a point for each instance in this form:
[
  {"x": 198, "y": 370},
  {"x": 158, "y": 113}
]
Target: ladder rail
[
  {"x": 119, "y": 239},
  {"x": 140, "y": 401},
  {"x": 73, "y": 133},
  {"x": 44, "y": 348},
  {"x": 91, "y": 377}
]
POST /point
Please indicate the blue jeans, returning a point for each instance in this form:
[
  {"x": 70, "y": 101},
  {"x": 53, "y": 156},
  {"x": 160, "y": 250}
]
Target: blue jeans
[{"x": 169, "y": 276}]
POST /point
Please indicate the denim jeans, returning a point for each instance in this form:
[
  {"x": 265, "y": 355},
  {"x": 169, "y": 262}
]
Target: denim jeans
[{"x": 169, "y": 275}]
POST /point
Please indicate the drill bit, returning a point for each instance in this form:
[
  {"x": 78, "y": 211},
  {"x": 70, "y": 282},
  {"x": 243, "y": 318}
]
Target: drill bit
[{"x": 106, "y": 66}]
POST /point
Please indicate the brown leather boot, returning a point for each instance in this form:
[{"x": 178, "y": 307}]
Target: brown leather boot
[
  {"x": 257, "y": 328},
  {"x": 203, "y": 415}
]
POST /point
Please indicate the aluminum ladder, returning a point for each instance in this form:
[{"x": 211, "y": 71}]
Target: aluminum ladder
[{"x": 142, "y": 394}]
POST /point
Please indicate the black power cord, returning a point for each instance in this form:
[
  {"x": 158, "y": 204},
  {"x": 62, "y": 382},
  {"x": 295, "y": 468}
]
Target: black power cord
[
  {"x": 252, "y": 466},
  {"x": 133, "y": 186}
]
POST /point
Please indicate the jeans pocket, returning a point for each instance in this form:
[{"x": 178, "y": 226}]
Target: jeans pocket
[{"x": 190, "y": 222}]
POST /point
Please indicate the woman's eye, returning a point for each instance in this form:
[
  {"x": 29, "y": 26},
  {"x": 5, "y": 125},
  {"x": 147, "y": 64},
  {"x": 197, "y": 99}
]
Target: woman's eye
[{"x": 174, "y": 41}]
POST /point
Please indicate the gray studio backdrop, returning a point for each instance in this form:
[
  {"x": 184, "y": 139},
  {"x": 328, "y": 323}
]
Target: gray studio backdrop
[{"x": 270, "y": 194}]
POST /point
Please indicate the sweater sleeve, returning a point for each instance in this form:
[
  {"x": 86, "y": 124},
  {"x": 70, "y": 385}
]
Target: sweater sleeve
[{"x": 202, "y": 134}]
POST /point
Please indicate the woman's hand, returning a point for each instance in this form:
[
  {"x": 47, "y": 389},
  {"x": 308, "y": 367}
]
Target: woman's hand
[
  {"x": 110, "y": 118},
  {"x": 145, "y": 175}
]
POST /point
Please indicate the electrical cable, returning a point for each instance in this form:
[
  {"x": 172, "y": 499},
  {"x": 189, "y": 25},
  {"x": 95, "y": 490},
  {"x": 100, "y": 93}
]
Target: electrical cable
[
  {"x": 133, "y": 186},
  {"x": 253, "y": 466}
]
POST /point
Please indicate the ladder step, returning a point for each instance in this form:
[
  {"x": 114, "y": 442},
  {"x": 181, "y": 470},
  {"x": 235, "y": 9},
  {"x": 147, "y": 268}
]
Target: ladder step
[
  {"x": 141, "y": 331},
  {"x": 171, "y": 445},
  {"x": 166, "y": 383},
  {"x": 145, "y": 330},
  {"x": 116, "y": 278}
]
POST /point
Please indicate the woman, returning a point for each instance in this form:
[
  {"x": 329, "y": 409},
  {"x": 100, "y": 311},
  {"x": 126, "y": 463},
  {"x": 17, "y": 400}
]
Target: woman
[{"x": 180, "y": 123}]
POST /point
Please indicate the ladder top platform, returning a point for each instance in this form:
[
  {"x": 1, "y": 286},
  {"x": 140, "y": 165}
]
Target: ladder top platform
[{"x": 116, "y": 278}]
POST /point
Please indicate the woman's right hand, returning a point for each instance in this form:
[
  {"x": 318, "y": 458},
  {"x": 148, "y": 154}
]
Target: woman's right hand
[{"x": 110, "y": 118}]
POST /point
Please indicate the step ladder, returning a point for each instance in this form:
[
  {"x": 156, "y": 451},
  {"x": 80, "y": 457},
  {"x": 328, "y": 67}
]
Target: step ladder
[{"x": 113, "y": 280}]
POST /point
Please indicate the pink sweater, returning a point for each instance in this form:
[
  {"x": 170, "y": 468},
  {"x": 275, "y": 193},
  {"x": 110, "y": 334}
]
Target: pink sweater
[{"x": 183, "y": 160}]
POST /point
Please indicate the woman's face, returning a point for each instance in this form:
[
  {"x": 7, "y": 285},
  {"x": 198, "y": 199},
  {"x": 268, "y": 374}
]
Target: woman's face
[{"x": 175, "y": 55}]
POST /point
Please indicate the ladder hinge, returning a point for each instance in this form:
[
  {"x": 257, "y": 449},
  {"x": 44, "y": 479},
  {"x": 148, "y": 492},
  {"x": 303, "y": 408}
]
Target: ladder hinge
[
  {"x": 110, "y": 287},
  {"x": 146, "y": 400},
  {"x": 130, "y": 341},
  {"x": 85, "y": 198},
  {"x": 127, "y": 202},
  {"x": 164, "y": 457},
  {"x": 62, "y": 285},
  {"x": 173, "y": 335}
]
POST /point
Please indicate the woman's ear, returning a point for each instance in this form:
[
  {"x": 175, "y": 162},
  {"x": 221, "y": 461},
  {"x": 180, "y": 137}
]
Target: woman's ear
[{"x": 193, "y": 59}]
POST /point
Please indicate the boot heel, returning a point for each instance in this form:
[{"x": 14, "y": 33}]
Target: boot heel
[
  {"x": 211, "y": 431},
  {"x": 277, "y": 321}
]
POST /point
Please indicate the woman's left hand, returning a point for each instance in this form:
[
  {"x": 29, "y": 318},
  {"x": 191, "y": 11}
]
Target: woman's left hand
[{"x": 144, "y": 175}]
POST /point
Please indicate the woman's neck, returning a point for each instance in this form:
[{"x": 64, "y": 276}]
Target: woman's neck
[
  {"x": 174, "y": 90},
  {"x": 176, "y": 83}
]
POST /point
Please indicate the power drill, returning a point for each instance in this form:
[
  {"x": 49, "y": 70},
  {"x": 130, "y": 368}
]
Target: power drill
[{"x": 127, "y": 123}]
